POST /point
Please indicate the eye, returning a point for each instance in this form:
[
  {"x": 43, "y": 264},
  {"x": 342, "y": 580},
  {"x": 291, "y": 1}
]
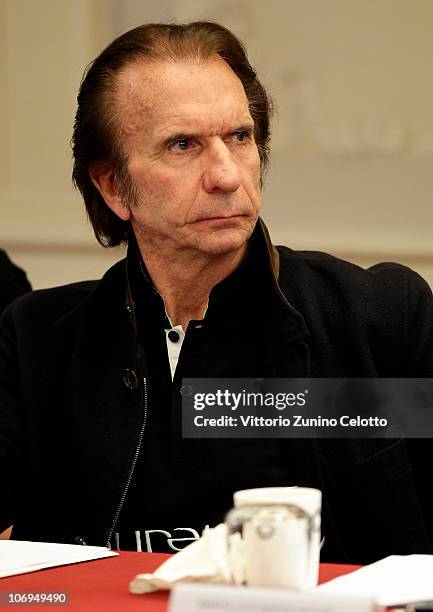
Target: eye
[
  {"x": 181, "y": 145},
  {"x": 242, "y": 135}
]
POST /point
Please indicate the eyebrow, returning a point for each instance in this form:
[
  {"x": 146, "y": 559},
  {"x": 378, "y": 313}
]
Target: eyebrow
[{"x": 247, "y": 127}]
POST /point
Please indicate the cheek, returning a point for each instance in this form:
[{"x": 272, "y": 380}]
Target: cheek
[
  {"x": 253, "y": 170},
  {"x": 253, "y": 164},
  {"x": 153, "y": 187},
  {"x": 257, "y": 164},
  {"x": 167, "y": 197},
  {"x": 252, "y": 183}
]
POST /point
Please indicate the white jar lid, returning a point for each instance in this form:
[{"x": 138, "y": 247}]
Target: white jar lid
[{"x": 306, "y": 498}]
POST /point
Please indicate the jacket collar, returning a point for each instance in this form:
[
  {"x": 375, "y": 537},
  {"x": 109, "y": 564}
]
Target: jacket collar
[
  {"x": 293, "y": 322},
  {"x": 272, "y": 251}
]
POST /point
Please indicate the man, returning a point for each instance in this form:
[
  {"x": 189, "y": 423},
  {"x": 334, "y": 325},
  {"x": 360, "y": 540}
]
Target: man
[
  {"x": 170, "y": 143},
  {"x": 13, "y": 281}
]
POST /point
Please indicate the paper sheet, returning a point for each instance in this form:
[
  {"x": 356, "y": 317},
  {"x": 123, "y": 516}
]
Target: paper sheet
[
  {"x": 17, "y": 557},
  {"x": 391, "y": 581}
]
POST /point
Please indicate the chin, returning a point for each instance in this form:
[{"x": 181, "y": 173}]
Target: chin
[{"x": 223, "y": 242}]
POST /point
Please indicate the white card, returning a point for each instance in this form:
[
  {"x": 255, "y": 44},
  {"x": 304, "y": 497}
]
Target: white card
[
  {"x": 19, "y": 557},
  {"x": 391, "y": 581},
  {"x": 196, "y": 597}
]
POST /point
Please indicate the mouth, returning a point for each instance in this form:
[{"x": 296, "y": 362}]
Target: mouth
[{"x": 220, "y": 218}]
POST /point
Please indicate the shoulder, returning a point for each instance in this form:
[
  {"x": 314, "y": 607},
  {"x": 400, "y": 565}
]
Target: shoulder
[
  {"x": 8, "y": 270},
  {"x": 323, "y": 274},
  {"x": 387, "y": 301},
  {"x": 48, "y": 306},
  {"x": 6, "y": 265},
  {"x": 13, "y": 281},
  {"x": 385, "y": 310}
]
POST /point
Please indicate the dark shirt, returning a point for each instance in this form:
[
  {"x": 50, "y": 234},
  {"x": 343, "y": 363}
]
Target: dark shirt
[{"x": 13, "y": 281}]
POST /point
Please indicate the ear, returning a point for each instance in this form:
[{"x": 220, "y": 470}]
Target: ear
[{"x": 105, "y": 182}]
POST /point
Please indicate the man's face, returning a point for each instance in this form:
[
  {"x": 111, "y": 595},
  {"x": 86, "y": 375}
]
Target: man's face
[{"x": 192, "y": 158}]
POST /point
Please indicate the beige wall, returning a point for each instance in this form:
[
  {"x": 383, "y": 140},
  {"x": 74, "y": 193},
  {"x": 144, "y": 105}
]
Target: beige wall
[{"x": 351, "y": 168}]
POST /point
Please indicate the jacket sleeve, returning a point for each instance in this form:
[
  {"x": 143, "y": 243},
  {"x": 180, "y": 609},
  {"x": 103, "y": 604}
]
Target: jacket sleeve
[
  {"x": 419, "y": 328},
  {"x": 419, "y": 355},
  {"x": 12, "y": 437}
]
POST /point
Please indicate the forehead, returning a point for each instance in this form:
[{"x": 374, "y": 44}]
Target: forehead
[{"x": 160, "y": 96}]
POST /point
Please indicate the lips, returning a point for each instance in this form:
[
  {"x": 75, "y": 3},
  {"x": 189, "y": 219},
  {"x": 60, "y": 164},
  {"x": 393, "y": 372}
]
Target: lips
[{"x": 219, "y": 218}]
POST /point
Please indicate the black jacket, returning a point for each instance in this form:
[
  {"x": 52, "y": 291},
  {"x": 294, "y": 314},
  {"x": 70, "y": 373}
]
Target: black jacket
[
  {"x": 13, "y": 281},
  {"x": 72, "y": 398}
]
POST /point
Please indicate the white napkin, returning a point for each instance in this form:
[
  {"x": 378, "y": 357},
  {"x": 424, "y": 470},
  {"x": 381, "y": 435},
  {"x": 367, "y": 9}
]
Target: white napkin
[{"x": 204, "y": 560}]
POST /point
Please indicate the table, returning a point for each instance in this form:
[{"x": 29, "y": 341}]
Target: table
[{"x": 102, "y": 585}]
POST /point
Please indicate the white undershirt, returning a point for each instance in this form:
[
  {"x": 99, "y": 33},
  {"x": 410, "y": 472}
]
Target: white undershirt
[{"x": 173, "y": 348}]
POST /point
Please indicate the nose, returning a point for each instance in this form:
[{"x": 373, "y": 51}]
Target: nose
[{"x": 221, "y": 172}]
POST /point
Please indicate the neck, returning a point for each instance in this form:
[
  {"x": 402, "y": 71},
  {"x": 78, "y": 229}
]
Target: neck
[{"x": 185, "y": 278}]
